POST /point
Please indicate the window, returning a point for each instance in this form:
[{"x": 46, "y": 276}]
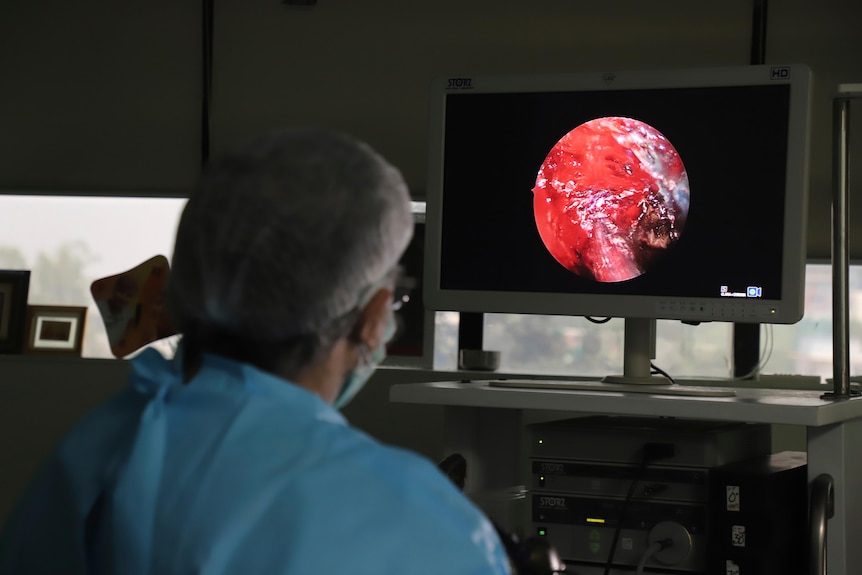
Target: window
[
  {"x": 67, "y": 242},
  {"x": 562, "y": 345}
]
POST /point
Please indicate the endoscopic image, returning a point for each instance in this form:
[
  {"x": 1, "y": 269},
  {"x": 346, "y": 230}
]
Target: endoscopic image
[{"x": 611, "y": 198}]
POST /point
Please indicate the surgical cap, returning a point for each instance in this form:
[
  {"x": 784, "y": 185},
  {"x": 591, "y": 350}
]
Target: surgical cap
[{"x": 282, "y": 236}]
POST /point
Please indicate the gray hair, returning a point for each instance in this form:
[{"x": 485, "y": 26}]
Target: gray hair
[{"x": 283, "y": 236}]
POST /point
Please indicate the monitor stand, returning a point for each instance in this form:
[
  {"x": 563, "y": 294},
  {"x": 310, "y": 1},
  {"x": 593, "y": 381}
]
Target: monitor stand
[{"x": 638, "y": 352}]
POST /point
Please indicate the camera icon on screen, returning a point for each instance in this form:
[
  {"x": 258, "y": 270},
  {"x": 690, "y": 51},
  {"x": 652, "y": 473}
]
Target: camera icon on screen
[{"x": 754, "y": 291}]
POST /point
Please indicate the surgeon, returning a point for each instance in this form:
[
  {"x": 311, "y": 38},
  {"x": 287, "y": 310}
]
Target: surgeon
[{"x": 233, "y": 457}]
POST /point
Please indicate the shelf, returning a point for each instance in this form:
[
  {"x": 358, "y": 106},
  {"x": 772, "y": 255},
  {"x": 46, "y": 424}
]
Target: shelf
[{"x": 793, "y": 407}]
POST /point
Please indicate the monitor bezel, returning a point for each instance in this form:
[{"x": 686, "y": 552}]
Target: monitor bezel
[{"x": 786, "y": 310}]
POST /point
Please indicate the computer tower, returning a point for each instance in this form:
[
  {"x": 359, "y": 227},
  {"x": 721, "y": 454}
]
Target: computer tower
[
  {"x": 758, "y": 512},
  {"x": 601, "y": 485}
]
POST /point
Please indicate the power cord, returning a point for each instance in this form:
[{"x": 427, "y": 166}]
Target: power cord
[
  {"x": 656, "y": 547},
  {"x": 651, "y": 452},
  {"x": 656, "y": 370}
]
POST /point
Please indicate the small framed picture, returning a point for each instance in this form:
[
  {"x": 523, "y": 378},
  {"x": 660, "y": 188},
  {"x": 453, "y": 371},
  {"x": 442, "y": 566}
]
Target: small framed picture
[
  {"x": 14, "y": 289},
  {"x": 55, "y": 329}
]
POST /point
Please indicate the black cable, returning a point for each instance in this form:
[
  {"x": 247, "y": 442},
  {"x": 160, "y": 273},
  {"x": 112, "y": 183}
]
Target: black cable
[
  {"x": 758, "y": 32},
  {"x": 206, "y": 76},
  {"x": 651, "y": 453},
  {"x": 638, "y": 476},
  {"x": 599, "y": 321},
  {"x": 656, "y": 370}
]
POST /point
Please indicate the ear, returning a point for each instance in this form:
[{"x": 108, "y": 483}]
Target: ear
[{"x": 372, "y": 322}]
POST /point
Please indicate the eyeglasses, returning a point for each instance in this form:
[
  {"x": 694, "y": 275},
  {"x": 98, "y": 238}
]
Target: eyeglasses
[{"x": 403, "y": 286}]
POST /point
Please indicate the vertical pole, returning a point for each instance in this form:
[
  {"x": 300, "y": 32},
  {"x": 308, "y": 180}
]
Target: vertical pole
[
  {"x": 206, "y": 76},
  {"x": 840, "y": 248},
  {"x": 758, "y": 32}
]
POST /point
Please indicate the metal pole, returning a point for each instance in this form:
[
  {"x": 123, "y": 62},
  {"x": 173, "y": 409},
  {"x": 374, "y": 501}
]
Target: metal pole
[
  {"x": 840, "y": 248},
  {"x": 840, "y": 242}
]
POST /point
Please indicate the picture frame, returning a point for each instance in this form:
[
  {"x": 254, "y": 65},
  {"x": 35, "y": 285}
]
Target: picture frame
[
  {"x": 55, "y": 329},
  {"x": 14, "y": 291}
]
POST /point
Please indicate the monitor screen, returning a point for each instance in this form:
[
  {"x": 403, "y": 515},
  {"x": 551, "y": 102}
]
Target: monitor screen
[{"x": 668, "y": 194}]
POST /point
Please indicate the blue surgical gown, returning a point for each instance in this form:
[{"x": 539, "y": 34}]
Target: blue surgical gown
[{"x": 238, "y": 472}]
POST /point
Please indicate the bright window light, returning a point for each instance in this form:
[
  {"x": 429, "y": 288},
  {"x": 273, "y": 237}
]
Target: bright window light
[
  {"x": 559, "y": 345},
  {"x": 67, "y": 242}
]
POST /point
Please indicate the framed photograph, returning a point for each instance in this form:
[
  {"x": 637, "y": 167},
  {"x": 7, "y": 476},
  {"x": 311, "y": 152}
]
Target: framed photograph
[
  {"x": 55, "y": 329},
  {"x": 14, "y": 289}
]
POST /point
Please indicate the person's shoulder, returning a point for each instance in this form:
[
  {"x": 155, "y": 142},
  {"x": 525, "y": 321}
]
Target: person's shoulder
[
  {"x": 403, "y": 473},
  {"x": 389, "y": 464}
]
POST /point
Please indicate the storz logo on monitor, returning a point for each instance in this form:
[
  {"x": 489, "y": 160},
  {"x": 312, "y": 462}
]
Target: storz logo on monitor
[
  {"x": 779, "y": 73},
  {"x": 459, "y": 84}
]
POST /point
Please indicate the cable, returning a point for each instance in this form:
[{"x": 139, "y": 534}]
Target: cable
[
  {"x": 655, "y": 370},
  {"x": 651, "y": 550},
  {"x": 206, "y": 79},
  {"x": 598, "y": 321},
  {"x": 619, "y": 527},
  {"x": 651, "y": 452}
]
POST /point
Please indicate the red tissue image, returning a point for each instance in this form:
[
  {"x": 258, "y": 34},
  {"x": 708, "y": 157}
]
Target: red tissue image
[{"x": 611, "y": 198}]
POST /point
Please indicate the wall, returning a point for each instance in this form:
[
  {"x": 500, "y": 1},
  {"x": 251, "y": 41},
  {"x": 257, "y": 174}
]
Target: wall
[
  {"x": 366, "y": 66},
  {"x": 40, "y": 398},
  {"x": 99, "y": 96}
]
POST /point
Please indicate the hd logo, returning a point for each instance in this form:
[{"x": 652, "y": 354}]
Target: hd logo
[{"x": 779, "y": 73}]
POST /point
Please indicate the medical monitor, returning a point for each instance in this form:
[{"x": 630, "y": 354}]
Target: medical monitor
[{"x": 664, "y": 194}]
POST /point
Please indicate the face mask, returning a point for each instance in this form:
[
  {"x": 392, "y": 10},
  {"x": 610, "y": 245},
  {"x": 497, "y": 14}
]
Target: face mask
[{"x": 357, "y": 378}]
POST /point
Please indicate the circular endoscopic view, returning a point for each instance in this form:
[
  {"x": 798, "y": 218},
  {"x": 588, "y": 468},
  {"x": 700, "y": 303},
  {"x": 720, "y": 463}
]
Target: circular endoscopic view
[{"x": 611, "y": 198}]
